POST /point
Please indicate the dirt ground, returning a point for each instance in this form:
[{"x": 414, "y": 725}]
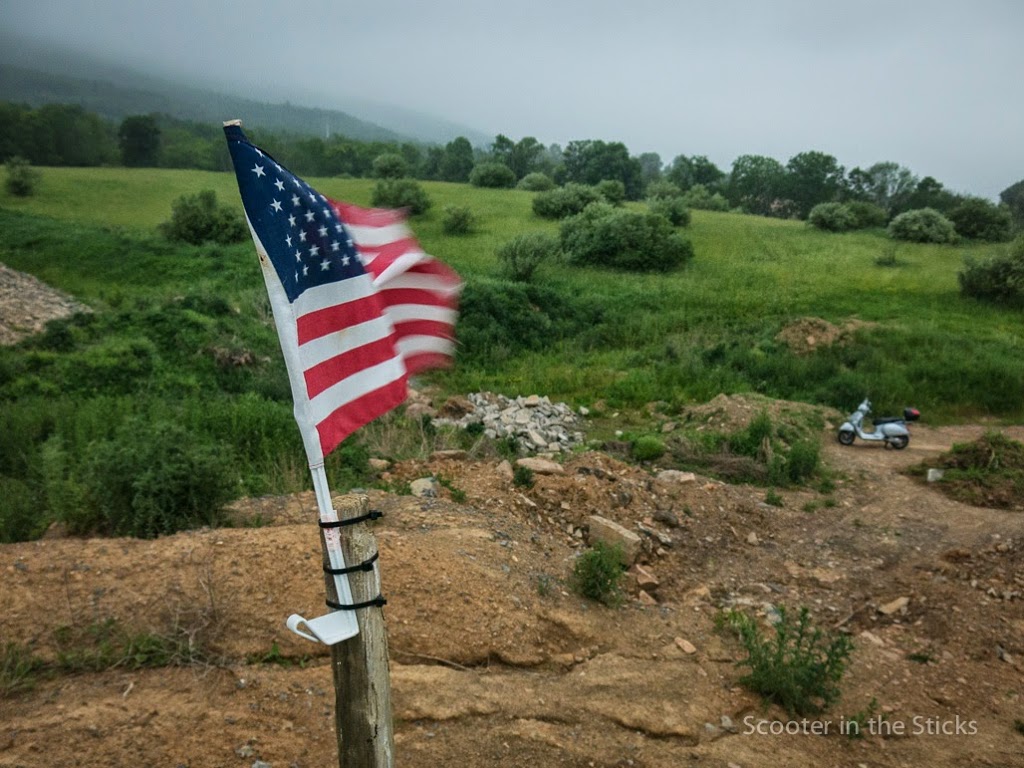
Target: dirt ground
[{"x": 494, "y": 661}]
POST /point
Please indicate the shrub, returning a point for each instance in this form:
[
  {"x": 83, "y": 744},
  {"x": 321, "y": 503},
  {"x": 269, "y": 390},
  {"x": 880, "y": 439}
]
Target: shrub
[
  {"x": 152, "y": 479},
  {"x": 799, "y": 669},
  {"x": 536, "y": 182},
  {"x": 658, "y": 190},
  {"x": 401, "y": 193},
  {"x": 700, "y": 197},
  {"x": 21, "y": 511},
  {"x": 999, "y": 279},
  {"x": 597, "y": 573},
  {"x": 923, "y": 225},
  {"x": 198, "y": 219},
  {"x": 648, "y": 448},
  {"x": 492, "y": 175},
  {"x": 612, "y": 190},
  {"x": 867, "y": 215},
  {"x": 523, "y": 477},
  {"x": 832, "y": 217},
  {"x": 611, "y": 237},
  {"x": 458, "y": 220},
  {"x": 390, "y": 165},
  {"x": 566, "y": 201},
  {"x": 22, "y": 178},
  {"x": 672, "y": 208},
  {"x": 521, "y": 256},
  {"x": 979, "y": 219}
]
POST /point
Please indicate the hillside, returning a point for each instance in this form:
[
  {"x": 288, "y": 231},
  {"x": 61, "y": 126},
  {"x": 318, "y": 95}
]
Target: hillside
[{"x": 494, "y": 661}]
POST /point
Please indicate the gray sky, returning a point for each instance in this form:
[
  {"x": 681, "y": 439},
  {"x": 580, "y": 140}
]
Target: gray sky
[{"x": 931, "y": 84}]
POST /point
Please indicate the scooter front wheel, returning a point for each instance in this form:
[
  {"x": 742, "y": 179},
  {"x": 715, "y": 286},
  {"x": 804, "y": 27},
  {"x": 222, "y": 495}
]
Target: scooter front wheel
[
  {"x": 846, "y": 436},
  {"x": 899, "y": 442}
]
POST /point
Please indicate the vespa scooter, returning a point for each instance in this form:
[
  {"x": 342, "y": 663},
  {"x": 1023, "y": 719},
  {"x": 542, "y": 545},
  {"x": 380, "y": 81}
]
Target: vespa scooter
[{"x": 892, "y": 430}]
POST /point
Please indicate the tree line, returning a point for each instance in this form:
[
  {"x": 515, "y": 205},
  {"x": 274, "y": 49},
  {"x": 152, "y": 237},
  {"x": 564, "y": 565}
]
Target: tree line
[{"x": 64, "y": 134}]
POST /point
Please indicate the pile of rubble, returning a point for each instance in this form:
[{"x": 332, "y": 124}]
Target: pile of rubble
[{"x": 534, "y": 422}]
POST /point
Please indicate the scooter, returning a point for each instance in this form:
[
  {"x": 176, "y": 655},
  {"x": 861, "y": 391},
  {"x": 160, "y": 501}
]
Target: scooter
[{"x": 892, "y": 430}]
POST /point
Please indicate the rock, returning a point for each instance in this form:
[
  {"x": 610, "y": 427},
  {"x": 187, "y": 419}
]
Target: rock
[
  {"x": 455, "y": 407},
  {"x": 873, "y": 639},
  {"x": 668, "y": 426},
  {"x": 934, "y": 475},
  {"x": 611, "y": 533},
  {"x": 752, "y": 539},
  {"x": 379, "y": 465},
  {"x": 541, "y": 466},
  {"x": 645, "y": 580},
  {"x": 896, "y": 606},
  {"x": 685, "y": 645},
  {"x": 504, "y": 471},
  {"x": 646, "y": 598},
  {"x": 424, "y": 488},
  {"x": 448, "y": 455},
  {"x": 674, "y": 476},
  {"x": 667, "y": 517}
]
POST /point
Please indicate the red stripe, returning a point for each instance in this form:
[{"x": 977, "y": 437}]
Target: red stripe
[
  {"x": 424, "y": 328},
  {"x": 379, "y": 257},
  {"x": 438, "y": 268},
  {"x": 395, "y": 296},
  {"x": 338, "y": 317},
  {"x": 328, "y": 373},
  {"x": 423, "y": 361},
  {"x": 351, "y": 416},
  {"x": 367, "y": 217}
]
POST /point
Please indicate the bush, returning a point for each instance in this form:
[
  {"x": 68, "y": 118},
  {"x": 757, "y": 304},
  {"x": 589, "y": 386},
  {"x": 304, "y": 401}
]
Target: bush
[
  {"x": 648, "y": 448},
  {"x": 658, "y": 190},
  {"x": 597, "y": 573},
  {"x": 978, "y": 219},
  {"x": 832, "y": 217},
  {"x": 923, "y": 225},
  {"x": 612, "y": 190},
  {"x": 672, "y": 208},
  {"x": 198, "y": 219},
  {"x": 867, "y": 215},
  {"x": 401, "y": 193},
  {"x": 492, "y": 175},
  {"x": 152, "y": 479},
  {"x": 22, "y": 178},
  {"x": 611, "y": 237},
  {"x": 799, "y": 669},
  {"x": 21, "y": 512},
  {"x": 700, "y": 197},
  {"x": 521, "y": 256},
  {"x": 999, "y": 279},
  {"x": 458, "y": 220},
  {"x": 566, "y": 201},
  {"x": 390, "y": 165},
  {"x": 536, "y": 182}
]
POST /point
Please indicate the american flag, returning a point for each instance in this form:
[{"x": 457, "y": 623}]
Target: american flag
[{"x": 351, "y": 333}]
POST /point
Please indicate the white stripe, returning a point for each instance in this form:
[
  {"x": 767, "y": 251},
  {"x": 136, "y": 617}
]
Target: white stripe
[
  {"x": 361, "y": 383},
  {"x": 411, "y": 345},
  {"x": 377, "y": 236},
  {"x": 406, "y": 261},
  {"x": 331, "y": 294},
  {"x": 424, "y": 282},
  {"x": 333, "y": 344},
  {"x": 401, "y": 312}
]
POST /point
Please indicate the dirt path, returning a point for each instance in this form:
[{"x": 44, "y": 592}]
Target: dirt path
[{"x": 496, "y": 662}]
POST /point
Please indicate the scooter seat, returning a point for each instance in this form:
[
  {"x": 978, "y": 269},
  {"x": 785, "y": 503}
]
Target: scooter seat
[{"x": 887, "y": 420}]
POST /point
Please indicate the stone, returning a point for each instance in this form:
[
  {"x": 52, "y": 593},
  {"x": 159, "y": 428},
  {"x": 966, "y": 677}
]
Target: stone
[
  {"x": 379, "y": 465},
  {"x": 752, "y": 539},
  {"x": 456, "y": 407},
  {"x": 685, "y": 645},
  {"x": 934, "y": 475},
  {"x": 448, "y": 455},
  {"x": 645, "y": 580},
  {"x": 646, "y": 598},
  {"x": 541, "y": 466},
  {"x": 675, "y": 476},
  {"x": 611, "y": 533},
  {"x": 424, "y": 488},
  {"x": 896, "y": 606},
  {"x": 504, "y": 471}
]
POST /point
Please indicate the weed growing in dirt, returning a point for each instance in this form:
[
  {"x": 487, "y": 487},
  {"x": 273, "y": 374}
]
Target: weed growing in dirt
[
  {"x": 987, "y": 472},
  {"x": 854, "y": 724},
  {"x": 18, "y": 669},
  {"x": 597, "y": 574},
  {"x": 798, "y": 669},
  {"x": 107, "y": 644},
  {"x": 1018, "y": 726},
  {"x": 458, "y": 495},
  {"x": 523, "y": 477}
]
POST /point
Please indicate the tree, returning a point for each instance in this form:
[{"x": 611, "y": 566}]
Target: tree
[
  {"x": 492, "y": 174},
  {"x": 457, "y": 162},
  {"x": 390, "y": 165},
  {"x": 757, "y": 184},
  {"x": 706, "y": 172},
  {"x": 929, "y": 193},
  {"x": 680, "y": 172},
  {"x": 650, "y": 168},
  {"x": 139, "y": 141},
  {"x": 1013, "y": 198},
  {"x": 593, "y": 161},
  {"x": 813, "y": 178},
  {"x": 980, "y": 219},
  {"x": 888, "y": 185}
]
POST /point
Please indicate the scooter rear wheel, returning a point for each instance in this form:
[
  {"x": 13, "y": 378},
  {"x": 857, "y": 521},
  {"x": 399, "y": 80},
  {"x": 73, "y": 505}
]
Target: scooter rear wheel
[
  {"x": 846, "y": 436},
  {"x": 899, "y": 442}
]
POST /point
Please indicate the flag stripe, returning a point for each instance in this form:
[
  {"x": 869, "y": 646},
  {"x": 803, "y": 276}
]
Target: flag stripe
[
  {"x": 337, "y": 318},
  {"x": 345, "y": 420},
  {"x": 324, "y": 348},
  {"x": 354, "y": 387},
  {"x": 433, "y": 328},
  {"x": 322, "y": 376}
]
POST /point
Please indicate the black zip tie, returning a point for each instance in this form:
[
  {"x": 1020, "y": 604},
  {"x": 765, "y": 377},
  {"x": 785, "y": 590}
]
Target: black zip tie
[
  {"x": 373, "y": 514},
  {"x": 378, "y": 602},
  {"x": 366, "y": 565}
]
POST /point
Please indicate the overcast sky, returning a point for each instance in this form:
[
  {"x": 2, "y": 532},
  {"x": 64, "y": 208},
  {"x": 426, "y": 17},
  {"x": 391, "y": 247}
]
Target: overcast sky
[{"x": 931, "y": 84}]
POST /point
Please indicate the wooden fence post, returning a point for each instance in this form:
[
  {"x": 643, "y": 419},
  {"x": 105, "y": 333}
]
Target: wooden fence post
[{"x": 362, "y": 676}]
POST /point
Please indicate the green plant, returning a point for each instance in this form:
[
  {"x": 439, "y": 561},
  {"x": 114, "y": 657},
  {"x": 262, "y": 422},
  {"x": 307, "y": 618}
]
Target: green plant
[
  {"x": 536, "y": 182},
  {"x": 198, "y": 219},
  {"x": 622, "y": 239},
  {"x": 979, "y": 219},
  {"x": 773, "y": 498},
  {"x": 672, "y": 208},
  {"x": 648, "y": 448},
  {"x": 522, "y": 477},
  {"x": 799, "y": 669},
  {"x": 866, "y": 215},
  {"x": 853, "y": 725},
  {"x": 22, "y": 179},
  {"x": 612, "y": 190},
  {"x": 19, "y": 668},
  {"x": 699, "y": 197},
  {"x": 923, "y": 225},
  {"x": 521, "y": 256},
  {"x": 562, "y": 202},
  {"x": 1018, "y": 726},
  {"x": 457, "y": 494},
  {"x": 833, "y": 217},
  {"x": 401, "y": 193},
  {"x": 390, "y": 165},
  {"x": 597, "y": 573},
  {"x": 493, "y": 175},
  {"x": 998, "y": 279},
  {"x": 458, "y": 220}
]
